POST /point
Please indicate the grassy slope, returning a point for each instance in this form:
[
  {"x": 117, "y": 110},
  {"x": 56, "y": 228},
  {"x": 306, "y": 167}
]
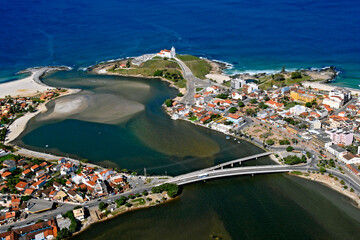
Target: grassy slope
[
  {"x": 198, "y": 66},
  {"x": 148, "y": 69}
]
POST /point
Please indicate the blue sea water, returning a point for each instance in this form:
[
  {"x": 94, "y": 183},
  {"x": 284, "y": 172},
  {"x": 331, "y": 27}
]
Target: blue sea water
[{"x": 253, "y": 34}]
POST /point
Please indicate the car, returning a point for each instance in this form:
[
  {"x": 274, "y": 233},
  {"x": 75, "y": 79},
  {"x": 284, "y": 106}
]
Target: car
[{"x": 99, "y": 200}]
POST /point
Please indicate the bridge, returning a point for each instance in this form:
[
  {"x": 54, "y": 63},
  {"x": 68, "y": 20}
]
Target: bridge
[
  {"x": 219, "y": 171},
  {"x": 240, "y": 160},
  {"x": 230, "y": 172}
]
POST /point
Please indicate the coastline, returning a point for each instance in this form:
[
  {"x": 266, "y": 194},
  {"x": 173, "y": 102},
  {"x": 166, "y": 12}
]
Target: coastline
[
  {"x": 91, "y": 222},
  {"x": 19, "y": 125},
  {"x": 330, "y": 183},
  {"x": 319, "y": 84}
]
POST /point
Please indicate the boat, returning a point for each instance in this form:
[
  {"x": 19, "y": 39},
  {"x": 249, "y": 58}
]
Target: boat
[
  {"x": 238, "y": 141},
  {"x": 227, "y": 137}
]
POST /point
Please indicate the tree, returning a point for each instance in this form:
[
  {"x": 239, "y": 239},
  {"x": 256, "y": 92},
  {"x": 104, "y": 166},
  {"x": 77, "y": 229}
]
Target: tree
[
  {"x": 102, "y": 206},
  {"x": 158, "y": 73},
  {"x": 283, "y": 69},
  {"x": 308, "y": 154},
  {"x": 270, "y": 142},
  {"x": 250, "y": 111},
  {"x": 322, "y": 169},
  {"x": 351, "y": 190},
  {"x": 308, "y": 104},
  {"x": 295, "y": 75},
  {"x": 253, "y": 101},
  {"x": 279, "y": 77},
  {"x": 222, "y": 96},
  {"x": 232, "y": 109},
  {"x": 293, "y": 159},
  {"x": 262, "y": 105},
  {"x": 168, "y": 102},
  {"x": 172, "y": 189},
  {"x": 145, "y": 193},
  {"x": 289, "y": 148},
  {"x": 128, "y": 64},
  {"x": 63, "y": 233},
  {"x": 284, "y": 142},
  {"x": 294, "y": 140},
  {"x": 241, "y": 104},
  {"x": 342, "y": 182}
]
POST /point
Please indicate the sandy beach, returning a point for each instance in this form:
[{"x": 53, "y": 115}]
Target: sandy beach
[
  {"x": 19, "y": 125},
  {"x": 219, "y": 78},
  {"x": 327, "y": 87},
  {"x": 29, "y": 86}
]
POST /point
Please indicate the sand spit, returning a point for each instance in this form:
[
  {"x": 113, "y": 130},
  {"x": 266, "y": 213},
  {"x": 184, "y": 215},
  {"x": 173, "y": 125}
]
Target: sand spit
[{"x": 29, "y": 86}]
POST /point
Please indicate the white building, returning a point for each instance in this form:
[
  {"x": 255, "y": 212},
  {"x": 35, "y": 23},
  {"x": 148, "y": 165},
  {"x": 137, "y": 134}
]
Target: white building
[
  {"x": 167, "y": 53},
  {"x": 333, "y": 102},
  {"x": 297, "y": 110},
  {"x": 237, "y": 83}
]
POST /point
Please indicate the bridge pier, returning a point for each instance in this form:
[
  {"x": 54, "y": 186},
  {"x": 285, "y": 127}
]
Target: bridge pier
[{"x": 232, "y": 165}]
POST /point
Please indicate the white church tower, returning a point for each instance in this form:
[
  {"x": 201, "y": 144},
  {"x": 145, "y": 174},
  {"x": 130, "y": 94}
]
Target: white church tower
[{"x": 172, "y": 52}]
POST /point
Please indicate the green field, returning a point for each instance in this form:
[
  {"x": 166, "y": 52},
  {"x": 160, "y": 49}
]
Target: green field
[
  {"x": 198, "y": 66},
  {"x": 167, "y": 68},
  {"x": 138, "y": 201}
]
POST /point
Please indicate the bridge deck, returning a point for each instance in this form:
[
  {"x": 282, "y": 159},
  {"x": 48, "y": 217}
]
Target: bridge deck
[{"x": 238, "y": 161}]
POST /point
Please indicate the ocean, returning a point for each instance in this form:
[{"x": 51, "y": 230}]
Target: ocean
[{"x": 253, "y": 35}]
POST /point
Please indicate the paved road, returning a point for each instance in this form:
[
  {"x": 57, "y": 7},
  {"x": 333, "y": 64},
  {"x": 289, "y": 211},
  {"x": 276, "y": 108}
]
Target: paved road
[{"x": 192, "y": 83}]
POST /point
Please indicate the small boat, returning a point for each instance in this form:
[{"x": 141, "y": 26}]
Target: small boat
[
  {"x": 238, "y": 141},
  {"x": 227, "y": 137},
  {"x": 46, "y": 146},
  {"x": 234, "y": 139}
]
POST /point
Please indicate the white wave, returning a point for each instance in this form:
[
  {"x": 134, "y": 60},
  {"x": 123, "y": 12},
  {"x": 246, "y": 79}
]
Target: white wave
[{"x": 253, "y": 72}]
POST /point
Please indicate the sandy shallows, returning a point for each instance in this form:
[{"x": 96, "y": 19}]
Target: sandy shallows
[{"x": 100, "y": 108}]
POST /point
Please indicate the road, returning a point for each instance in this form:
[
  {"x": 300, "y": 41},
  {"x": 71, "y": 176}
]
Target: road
[{"x": 192, "y": 83}]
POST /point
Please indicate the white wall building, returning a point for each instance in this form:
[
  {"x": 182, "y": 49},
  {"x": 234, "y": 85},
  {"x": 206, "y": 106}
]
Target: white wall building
[{"x": 167, "y": 53}]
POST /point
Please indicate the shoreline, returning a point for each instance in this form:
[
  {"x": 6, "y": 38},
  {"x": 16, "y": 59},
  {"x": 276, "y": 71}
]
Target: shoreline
[
  {"x": 128, "y": 210},
  {"x": 332, "y": 184}
]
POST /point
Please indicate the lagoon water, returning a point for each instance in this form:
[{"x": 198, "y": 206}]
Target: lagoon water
[
  {"x": 118, "y": 122},
  {"x": 261, "y": 207}
]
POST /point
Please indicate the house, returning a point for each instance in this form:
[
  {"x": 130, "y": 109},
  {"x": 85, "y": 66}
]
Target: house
[
  {"x": 43, "y": 230},
  {"x": 104, "y": 175},
  {"x": 11, "y": 164},
  {"x": 67, "y": 168},
  {"x": 79, "y": 214},
  {"x": 6, "y": 175},
  {"x": 21, "y": 186},
  {"x": 38, "y": 184},
  {"x": 234, "y": 118},
  {"x": 35, "y": 168}
]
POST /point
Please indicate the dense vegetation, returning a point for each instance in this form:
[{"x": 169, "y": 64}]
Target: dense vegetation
[
  {"x": 172, "y": 189},
  {"x": 292, "y": 160}
]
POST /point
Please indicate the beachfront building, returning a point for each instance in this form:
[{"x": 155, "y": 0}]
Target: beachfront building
[
  {"x": 167, "y": 53},
  {"x": 237, "y": 83}
]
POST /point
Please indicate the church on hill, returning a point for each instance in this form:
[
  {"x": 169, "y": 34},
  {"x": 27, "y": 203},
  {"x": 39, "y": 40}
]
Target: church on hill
[{"x": 167, "y": 53}]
